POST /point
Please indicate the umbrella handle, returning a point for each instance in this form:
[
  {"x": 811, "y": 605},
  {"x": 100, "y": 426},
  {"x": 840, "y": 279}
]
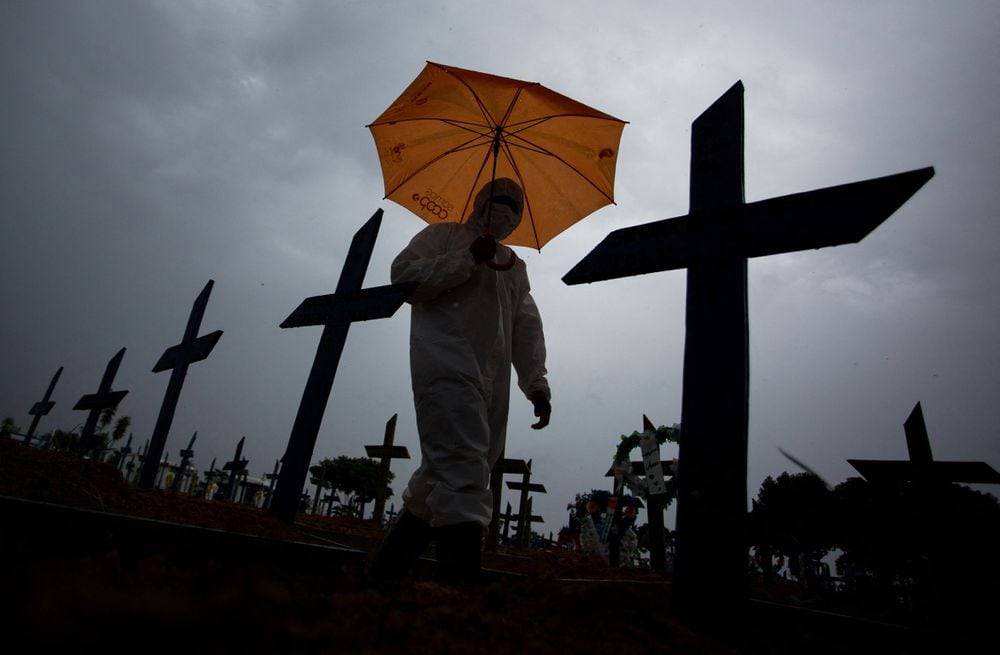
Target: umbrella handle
[{"x": 503, "y": 267}]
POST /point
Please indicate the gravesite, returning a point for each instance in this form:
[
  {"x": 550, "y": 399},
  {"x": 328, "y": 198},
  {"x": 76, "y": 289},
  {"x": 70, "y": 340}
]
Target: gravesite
[{"x": 115, "y": 540}]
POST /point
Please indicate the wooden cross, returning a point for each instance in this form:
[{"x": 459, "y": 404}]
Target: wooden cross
[
  {"x": 386, "y": 452},
  {"x": 124, "y": 452},
  {"x": 186, "y": 456},
  {"x": 921, "y": 467},
  {"x": 657, "y": 544},
  {"x": 524, "y": 508},
  {"x": 271, "y": 479},
  {"x": 191, "y": 349},
  {"x": 237, "y": 466},
  {"x": 335, "y": 312},
  {"x": 523, "y": 527},
  {"x": 503, "y": 467},
  {"x": 713, "y": 242},
  {"x": 42, "y": 407},
  {"x": 105, "y": 398},
  {"x": 507, "y": 517}
]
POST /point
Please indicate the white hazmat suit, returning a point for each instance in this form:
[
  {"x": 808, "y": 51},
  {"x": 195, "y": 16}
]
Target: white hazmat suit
[{"x": 469, "y": 323}]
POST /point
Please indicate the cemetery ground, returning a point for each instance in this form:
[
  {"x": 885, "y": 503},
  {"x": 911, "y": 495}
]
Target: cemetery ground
[{"x": 91, "y": 562}]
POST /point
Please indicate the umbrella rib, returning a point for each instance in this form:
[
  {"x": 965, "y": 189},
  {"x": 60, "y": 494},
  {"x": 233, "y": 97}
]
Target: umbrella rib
[
  {"x": 544, "y": 151},
  {"x": 524, "y": 192},
  {"x": 468, "y": 145}
]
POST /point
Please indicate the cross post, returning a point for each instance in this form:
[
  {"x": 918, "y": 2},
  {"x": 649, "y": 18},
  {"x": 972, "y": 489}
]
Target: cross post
[
  {"x": 191, "y": 349},
  {"x": 713, "y": 242},
  {"x": 386, "y": 452},
  {"x": 335, "y": 312},
  {"x": 105, "y": 398},
  {"x": 42, "y": 407}
]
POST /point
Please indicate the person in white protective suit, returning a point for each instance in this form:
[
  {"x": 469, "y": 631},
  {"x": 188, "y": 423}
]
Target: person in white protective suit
[{"x": 470, "y": 321}]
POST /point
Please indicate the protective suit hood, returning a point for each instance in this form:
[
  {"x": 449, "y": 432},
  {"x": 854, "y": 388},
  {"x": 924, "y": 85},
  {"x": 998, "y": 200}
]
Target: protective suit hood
[{"x": 505, "y": 214}]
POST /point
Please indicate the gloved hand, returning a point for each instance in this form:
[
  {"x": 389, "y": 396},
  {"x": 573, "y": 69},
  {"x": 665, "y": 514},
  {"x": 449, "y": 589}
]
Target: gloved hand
[
  {"x": 483, "y": 248},
  {"x": 543, "y": 409}
]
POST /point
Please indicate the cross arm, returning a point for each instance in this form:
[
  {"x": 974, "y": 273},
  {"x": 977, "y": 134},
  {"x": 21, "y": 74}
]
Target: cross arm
[
  {"x": 814, "y": 219},
  {"x": 540, "y": 488},
  {"x": 188, "y": 352},
  {"x": 350, "y": 306},
  {"x": 41, "y": 408},
  {"x": 100, "y": 400},
  {"x": 392, "y": 452}
]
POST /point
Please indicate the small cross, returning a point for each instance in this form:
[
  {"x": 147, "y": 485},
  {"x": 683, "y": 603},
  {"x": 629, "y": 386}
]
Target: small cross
[
  {"x": 335, "y": 312},
  {"x": 524, "y": 509},
  {"x": 42, "y": 407},
  {"x": 105, "y": 398},
  {"x": 186, "y": 456},
  {"x": 386, "y": 452},
  {"x": 503, "y": 467},
  {"x": 237, "y": 467}
]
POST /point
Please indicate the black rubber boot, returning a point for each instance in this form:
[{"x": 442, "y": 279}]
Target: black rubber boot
[
  {"x": 402, "y": 546},
  {"x": 459, "y": 553}
]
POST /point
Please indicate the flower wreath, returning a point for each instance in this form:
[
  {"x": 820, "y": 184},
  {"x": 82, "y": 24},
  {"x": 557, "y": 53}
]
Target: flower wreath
[{"x": 629, "y": 443}]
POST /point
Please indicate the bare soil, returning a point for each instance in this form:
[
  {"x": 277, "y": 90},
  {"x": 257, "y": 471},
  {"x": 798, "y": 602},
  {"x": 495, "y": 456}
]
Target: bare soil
[{"x": 60, "y": 595}]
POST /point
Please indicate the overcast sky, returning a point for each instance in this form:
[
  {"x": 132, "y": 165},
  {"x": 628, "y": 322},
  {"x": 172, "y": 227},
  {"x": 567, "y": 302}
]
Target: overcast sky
[{"x": 147, "y": 147}]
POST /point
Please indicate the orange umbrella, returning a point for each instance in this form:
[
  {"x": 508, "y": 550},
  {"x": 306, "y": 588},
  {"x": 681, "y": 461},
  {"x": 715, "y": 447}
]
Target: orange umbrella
[{"x": 454, "y": 130}]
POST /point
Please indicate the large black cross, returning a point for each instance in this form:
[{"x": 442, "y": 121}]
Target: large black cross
[
  {"x": 42, "y": 407},
  {"x": 191, "y": 349},
  {"x": 713, "y": 242},
  {"x": 335, "y": 312},
  {"x": 386, "y": 453},
  {"x": 105, "y": 398},
  {"x": 921, "y": 466}
]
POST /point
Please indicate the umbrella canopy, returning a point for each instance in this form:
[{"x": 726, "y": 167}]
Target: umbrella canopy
[{"x": 454, "y": 130}]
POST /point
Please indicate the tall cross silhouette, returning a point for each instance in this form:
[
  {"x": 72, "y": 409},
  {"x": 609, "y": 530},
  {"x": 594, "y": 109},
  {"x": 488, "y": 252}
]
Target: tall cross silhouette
[
  {"x": 95, "y": 403},
  {"x": 191, "y": 349},
  {"x": 335, "y": 312},
  {"x": 713, "y": 242},
  {"x": 42, "y": 407}
]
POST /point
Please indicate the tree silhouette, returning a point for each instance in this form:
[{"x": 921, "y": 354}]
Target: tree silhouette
[
  {"x": 792, "y": 516},
  {"x": 358, "y": 477}
]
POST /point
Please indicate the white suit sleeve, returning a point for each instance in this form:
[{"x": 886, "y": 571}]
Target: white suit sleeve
[
  {"x": 431, "y": 260},
  {"x": 528, "y": 352}
]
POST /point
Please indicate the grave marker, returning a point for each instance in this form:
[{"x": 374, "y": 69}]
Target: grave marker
[
  {"x": 713, "y": 243},
  {"x": 41, "y": 408},
  {"x": 271, "y": 479},
  {"x": 237, "y": 467},
  {"x": 503, "y": 467},
  {"x": 921, "y": 467},
  {"x": 95, "y": 403},
  {"x": 524, "y": 508},
  {"x": 191, "y": 349},
  {"x": 335, "y": 312},
  {"x": 186, "y": 456},
  {"x": 386, "y": 452},
  {"x": 124, "y": 452},
  {"x": 523, "y": 527}
]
